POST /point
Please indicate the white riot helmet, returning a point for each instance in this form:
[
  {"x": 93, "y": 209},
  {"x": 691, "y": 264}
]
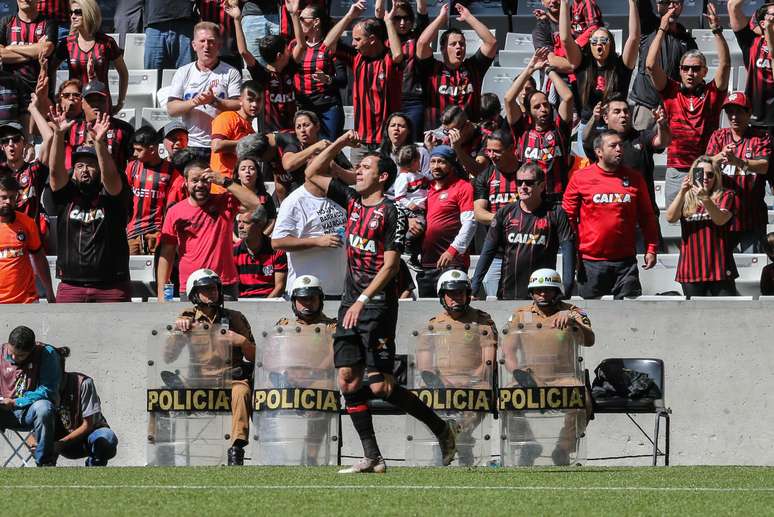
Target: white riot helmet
[
  {"x": 546, "y": 277},
  {"x": 454, "y": 280},
  {"x": 202, "y": 278},
  {"x": 305, "y": 286}
]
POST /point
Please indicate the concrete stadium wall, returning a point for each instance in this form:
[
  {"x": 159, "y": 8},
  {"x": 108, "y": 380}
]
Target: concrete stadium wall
[{"x": 717, "y": 356}]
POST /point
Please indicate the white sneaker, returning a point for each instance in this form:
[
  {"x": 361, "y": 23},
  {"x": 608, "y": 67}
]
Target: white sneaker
[{"x": 377, "y": 466}]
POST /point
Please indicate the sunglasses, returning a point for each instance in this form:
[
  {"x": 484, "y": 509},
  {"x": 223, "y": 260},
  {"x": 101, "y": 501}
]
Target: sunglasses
[
  {"x": 70, "y": 95},
  {"x": 602, "y": 40},
  {"x": 77, "y": 12},
  {"x": 528, "y": 183},
  {"x": 690, "y": 68},
  {"x": 15, "y": 139}
]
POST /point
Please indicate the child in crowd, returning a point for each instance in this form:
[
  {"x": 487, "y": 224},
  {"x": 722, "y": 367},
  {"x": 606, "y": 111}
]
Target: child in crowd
[{"x": 410, "y": 195}]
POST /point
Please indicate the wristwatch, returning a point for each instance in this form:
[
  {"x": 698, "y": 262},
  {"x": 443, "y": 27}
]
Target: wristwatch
[{"x": 227, "y": 182}]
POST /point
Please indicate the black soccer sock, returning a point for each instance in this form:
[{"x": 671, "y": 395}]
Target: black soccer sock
[
  {"x": 357, "y": 408},
  {"x": 411, "y": 404}
]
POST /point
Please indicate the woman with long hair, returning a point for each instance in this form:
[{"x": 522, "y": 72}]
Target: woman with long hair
[
  {"x": 397, "y": 131},
  {"x": 248, "y": 174},
  {"x": 706, "y": 266},
  {"x": 600, "y": 71},
  {"x": 89, "y": 52}
]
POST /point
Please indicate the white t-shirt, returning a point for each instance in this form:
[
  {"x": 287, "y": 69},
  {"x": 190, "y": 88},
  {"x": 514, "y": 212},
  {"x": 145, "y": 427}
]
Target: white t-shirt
[
  {"x": 303, "y": 215},
  {"x": 188, "y": 82}
]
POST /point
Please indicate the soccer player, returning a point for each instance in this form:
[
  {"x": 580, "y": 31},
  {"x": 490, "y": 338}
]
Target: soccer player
[
  {"x": 377, "y": 69},
  {"x": 456, "y": 79},
  {"x": 365, "y": 335},
  {"x": 606, "y": 202}
]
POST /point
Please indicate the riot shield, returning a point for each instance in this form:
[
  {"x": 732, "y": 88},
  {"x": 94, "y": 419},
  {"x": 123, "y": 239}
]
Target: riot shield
[
  {"x": 452, "y": 371},
  {"x": 543, "y": 402},
  {"x": 296, "y": 401},
  {"x": 189, "y": 396}
]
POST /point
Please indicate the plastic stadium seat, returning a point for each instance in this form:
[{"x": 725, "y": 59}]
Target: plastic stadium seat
[
  {"x": 141, "y": 274},
  {"x": 741, "y": 78},
  {"x": 154, "y": 117},
  {"x": 656, "y": 298},
  {"x": 749, "y": 266},
  {"x": 518, "y": 41},
  {"x": 670, "y": 232},
  {"x": 660, "y": 194},
  {"x": 167, "y": 75},
  {"x": 116, "y": 36},
  {"x": 660, "y": 279},
  {"x": 349, "y": 117},
  {"x": 134, "y": 51},
  {"x": 514, "y": 58},
  {"x": 618, "y": 38},
  {"x": 269, "y": 187},
  {"x": 705, "y": 41},
  {"x": 128, "y": 115},
  {"x": 654, "y": 368},
  {"x": 141, "y": 90},
  {"x": 499, "y": 78},
  {"x": 61, "y": 76}
]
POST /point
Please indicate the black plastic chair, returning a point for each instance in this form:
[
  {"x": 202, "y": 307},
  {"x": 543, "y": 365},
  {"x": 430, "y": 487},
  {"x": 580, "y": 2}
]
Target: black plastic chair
[
  {"x": 654, "y": 368},
  {"x": 378, "y": 406}
]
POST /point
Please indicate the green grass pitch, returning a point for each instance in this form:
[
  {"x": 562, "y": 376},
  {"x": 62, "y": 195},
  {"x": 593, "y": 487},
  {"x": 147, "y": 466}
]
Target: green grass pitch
[{"x": 294, "y": 492}]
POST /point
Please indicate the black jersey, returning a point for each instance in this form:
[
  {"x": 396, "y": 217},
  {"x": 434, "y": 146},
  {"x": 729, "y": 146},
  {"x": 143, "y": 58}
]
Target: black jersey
[
  {"x": 497, "y": 188},
  {"x": 530, "y": 241},
  {"x": 370, "y": 231}
]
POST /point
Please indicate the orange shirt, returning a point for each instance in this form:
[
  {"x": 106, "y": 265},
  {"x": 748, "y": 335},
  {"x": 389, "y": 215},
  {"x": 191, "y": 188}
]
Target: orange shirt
[
  {"x": 228, "y": 126},
  {"x": 18, "y": 240}
]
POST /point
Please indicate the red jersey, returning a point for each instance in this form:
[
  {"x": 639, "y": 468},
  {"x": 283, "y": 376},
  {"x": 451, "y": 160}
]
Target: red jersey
[
  {"x": 445, "y": 205},
  {"x": 202, "y": 235},
  {"x": 445, "y": 87},
  {"x": 104, "y": 52},
  {"x": 376, "y": 90},
  {"x": 607, "y": 207},
  {"x": 151, "y": 187},
  {"x": 750, "y": 211},
  {"x": 586, "y": 18},
  {"x": 32, "y": 178},
  {"x": 692, "y": 118},
  {"x": 549, "y": 150},
  {"x": 706, "y": 249},
  {"x": 760, "y": 77},
  {"x": 256, "y": 272},
  {"x": 279, "y": 94}
]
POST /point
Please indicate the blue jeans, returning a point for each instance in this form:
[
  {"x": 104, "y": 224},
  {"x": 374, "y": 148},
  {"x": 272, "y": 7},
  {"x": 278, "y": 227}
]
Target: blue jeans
[
  {"x": 257, "y": 26},
  {"x": 62, "y": 32},
  {"x": 415, "y": 110},
  {"x": 168, "y": 45},
  {"x": 331, "y": 122},
  {"x": 492, "y": 277},
  {"x": 99, "y": 447},
  {"x": 38, "y": 418}
]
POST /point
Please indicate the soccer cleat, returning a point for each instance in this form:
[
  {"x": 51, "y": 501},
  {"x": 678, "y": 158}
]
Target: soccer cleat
[
  {"x": 236, "y": 456},
  {"x": 364, "y": 465},
  {"x": 448, "y": 443}
]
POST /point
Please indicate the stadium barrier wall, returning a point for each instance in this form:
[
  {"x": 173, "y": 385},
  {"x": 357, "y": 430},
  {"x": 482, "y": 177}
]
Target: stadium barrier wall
[{"x": 717, "y": 356}]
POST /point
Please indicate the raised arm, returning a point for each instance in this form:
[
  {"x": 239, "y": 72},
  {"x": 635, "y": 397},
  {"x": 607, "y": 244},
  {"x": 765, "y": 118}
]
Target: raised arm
[
  {"x": 334, "y": 35},
  {"x": 488, "y": 42},
  {"x": 244, "y": 195},
  {"x": 565, "y": 94},
  {"x": 111, "y": 179},
  {"x": 512, "y": 110},
  {"x": 295, "y": 18},
  {"x": 294, "y": 161},
  {"x": 58, "y": 176},
  {"x": 663, "y": 136},
  {"x": 425, "y": 40},
  {"x": 736, "y": 16},
  {"x": 236, "y": 14},
  {"x": 632, "y": 45},
  {"x": 396, "y": 47},
  {"x": 652, "y": 64},
  {"x": 574, "y": 53},
  {"x": 718, "y": 215},
  {"x": 318, "y": 170},
  {"x": 724, "y": 56}
]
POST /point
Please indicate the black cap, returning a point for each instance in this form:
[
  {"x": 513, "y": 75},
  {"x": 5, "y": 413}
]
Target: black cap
[
  {"x": 10, "y": 127},
  {"x": 174, "y": 125},
  {"x": 95, "y": 88},
  {"x": 84, "y": 150}
]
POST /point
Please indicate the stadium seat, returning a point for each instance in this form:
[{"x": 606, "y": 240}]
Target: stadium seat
[
  {"x": 518, "y": 41},
  {"x": 705, "y": 41},
  {"x": 61, "y": 76},
  {"x": 134, "y": 51},
  {"x": 7, "y": 7},
  {"x": 157, "y": 118},
  {"x": 654, "y": 368},
  {"x": 741, "y": 78},
  {"x": 722, "y": 298},
  {"x": 141, "y": 275},
  {"x": 349, "y": 117},
  {"x": 661, "y": 278},
  {"x": 498, "y": 79},
  {"x": 21, "y": 451},
  {"x": 670, "y": 232},
  {"x": 749, "y": 267},
  {"x": 339, "y": 8},
  {"x": 658, "y": 187},
  {"x": 167, "y": 75},
  {"x": 128, "y": 115},
  {"x": 141, "y": 90},
  {"x": 514, "y": 58},
  {"x": 116, "y": 36}
]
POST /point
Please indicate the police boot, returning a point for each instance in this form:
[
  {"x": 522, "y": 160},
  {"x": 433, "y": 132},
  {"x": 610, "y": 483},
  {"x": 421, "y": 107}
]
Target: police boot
[{"x": 236, "y": 455}]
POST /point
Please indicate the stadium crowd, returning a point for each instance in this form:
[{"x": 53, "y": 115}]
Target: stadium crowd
[{"x": 474, "y": 173}]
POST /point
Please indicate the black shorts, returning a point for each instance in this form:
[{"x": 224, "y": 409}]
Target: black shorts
[
  {"x": 597, "y": 278},
  {"x": 371, "y": 342}
]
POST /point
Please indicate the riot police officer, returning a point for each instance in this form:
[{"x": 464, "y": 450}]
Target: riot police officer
[
  {"x": 464, "y": 366},
  {"x": 548, "y": 309}
]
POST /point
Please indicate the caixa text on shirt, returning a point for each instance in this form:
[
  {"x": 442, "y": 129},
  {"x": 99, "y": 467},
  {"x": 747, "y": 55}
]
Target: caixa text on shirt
[
  {"x": 86, "y": 216},
  {"x": 306, "y": 399},
  {"x": 542, "y": 398},
  {"x": 216, "y": 400}
]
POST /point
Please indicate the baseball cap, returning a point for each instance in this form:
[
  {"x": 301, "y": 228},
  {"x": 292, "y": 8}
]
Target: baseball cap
[
  {"x": 174, "y": 125},
  {"x": 95, "y": 88},
  {"x": 737, "y": 99},
  {"x": 11, "y": 127},
  {"x": 84, "y": 150}
]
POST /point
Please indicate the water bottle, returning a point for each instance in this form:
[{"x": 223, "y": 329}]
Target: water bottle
[
  {"x": 169, "y": 292},
  {"x": 341, "y": 232},
  {"x": 224, "y": 322}
]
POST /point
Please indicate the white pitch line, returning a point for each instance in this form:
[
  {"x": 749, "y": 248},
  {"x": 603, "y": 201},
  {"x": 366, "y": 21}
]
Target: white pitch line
[{"x": 393, "y": 487}]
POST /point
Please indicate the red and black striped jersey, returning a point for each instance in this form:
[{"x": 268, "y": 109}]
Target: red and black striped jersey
[
  {"x": 586, "y": 18},
  {"x": 445, "y": 87},
  {"x": 58, "y": 10},
  {"x": 32, "y": 178},
  {"x": 151, "y": 186},
  {"x": 311, "y": 94},
  {"x": 549, "y": 150},
  {"x": 119, "y": 138},
  {"x": 370, "y": 231},
  {"x": 706, "y": 249},
  {"x": 376, "y": 90},
  {"x": 497, "y": 188},
  {"x": 212, "y": 11},
  {"x": 279, "y": 96},
  {"x": 14, "y": 31},
  {"x": 256, "y": 271},
  {"x": 104, "y": 52},
  {"x": 750, "y": 211},
  {"x": 286, "y": 24},
  {"x": 530, "y": 241},
  {"x": 760, "y": 76}
]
